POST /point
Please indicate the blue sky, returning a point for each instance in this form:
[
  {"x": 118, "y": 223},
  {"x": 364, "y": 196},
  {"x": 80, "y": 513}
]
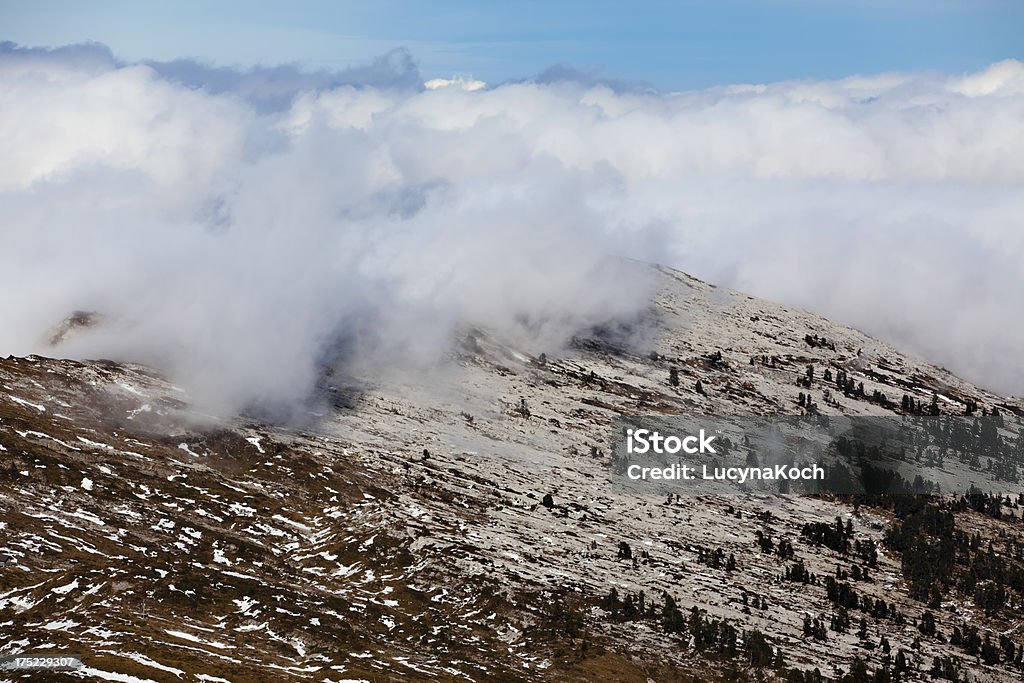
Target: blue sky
[{"x": 671, "y": 45}]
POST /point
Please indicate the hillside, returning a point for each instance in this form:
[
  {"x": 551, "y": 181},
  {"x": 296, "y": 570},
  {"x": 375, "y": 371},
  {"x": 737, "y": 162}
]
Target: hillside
[{"x": 460, "y": 524}]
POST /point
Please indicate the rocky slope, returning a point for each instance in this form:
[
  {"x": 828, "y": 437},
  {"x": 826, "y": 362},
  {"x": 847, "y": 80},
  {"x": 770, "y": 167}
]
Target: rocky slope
[{"x": 432, "y": 529}]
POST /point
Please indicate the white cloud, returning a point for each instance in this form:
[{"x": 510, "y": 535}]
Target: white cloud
[
  {"x": 469, "y": 84},
  {"x": 238, "y": 246}
]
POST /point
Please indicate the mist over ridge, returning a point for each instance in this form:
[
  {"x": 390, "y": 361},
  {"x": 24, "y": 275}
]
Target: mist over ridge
[{"x": 231, "y": 225}]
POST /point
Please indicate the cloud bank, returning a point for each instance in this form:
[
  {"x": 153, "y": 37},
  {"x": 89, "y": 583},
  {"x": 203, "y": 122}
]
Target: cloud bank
[{"x": 238, "y": 228}]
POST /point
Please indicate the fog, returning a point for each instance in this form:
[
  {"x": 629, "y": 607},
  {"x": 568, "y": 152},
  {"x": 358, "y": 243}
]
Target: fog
[{"x": 237, "y": 228}]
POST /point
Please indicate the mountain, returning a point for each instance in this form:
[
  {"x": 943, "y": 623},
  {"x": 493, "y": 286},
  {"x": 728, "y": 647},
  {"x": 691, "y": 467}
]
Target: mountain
[{"x": 461, "y": 524}]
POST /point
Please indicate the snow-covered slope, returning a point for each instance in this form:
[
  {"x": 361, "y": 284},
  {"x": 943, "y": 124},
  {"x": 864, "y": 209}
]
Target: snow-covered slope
[{"x": 406, "y": 534}]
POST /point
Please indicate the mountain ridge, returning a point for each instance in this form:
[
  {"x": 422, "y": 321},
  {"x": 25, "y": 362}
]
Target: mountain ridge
[{"x": 465, "y": 528}]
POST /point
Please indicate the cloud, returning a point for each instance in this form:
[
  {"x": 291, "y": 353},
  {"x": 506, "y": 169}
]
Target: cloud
[
  {"x": 272, "y": 88},
  {"x": 240, "y": 249},
  {"x": 80, "y": 58},
  {"x": 591, "y": 77},
  {"x": 469, "y": 84},
  {"x": 240, "y": 245},
  {"x": 265, "y": 88}
]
